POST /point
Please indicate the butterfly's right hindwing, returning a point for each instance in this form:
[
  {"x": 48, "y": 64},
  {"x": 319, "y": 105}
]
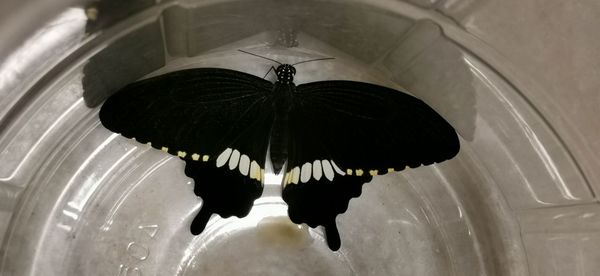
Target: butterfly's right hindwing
[{"x": 217, "y": 120}]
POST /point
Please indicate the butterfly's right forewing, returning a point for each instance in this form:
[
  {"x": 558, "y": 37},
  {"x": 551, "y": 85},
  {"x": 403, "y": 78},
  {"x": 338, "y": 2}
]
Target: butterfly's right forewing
[{"x": 198, "y": 111}]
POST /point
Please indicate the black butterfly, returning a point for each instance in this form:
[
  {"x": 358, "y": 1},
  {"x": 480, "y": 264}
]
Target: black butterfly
[{"x": 329, "y": 136}]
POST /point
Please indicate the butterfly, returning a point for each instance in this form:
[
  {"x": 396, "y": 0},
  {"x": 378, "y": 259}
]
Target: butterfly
[{"x": 328, "y": 138}]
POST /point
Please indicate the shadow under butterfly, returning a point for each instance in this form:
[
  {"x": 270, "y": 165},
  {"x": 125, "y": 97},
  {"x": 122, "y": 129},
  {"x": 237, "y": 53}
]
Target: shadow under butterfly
[{"x": 328, "y": 137}]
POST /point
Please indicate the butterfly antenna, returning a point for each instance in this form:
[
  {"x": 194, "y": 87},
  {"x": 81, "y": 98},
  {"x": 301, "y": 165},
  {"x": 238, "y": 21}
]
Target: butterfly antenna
[
  {"x": 260, "y": 56},
  {"x": 312, "y": 60}
]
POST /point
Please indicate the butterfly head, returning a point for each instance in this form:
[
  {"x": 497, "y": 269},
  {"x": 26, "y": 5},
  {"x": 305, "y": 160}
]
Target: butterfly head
[{"x": 285, "y": 73}]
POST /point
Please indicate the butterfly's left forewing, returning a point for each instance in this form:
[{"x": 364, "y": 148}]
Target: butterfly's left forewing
[
  {"x": 343, "y": 132},
  {"x": 217, "y": 120},
  {"x": 369, "y": 128}
]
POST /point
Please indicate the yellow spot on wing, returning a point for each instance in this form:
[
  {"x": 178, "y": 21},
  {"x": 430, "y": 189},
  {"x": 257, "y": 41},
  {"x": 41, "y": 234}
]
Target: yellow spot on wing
[
  {"x": 391, "y": 170},
  {"x": 205, "y": 158},
  {"x": 349, "y": 172},
  {"x": 359, "y": 172},
  {"x": 195, "y": 156},
  {"x": 165, "y": 149},
  {"x": 373, "y": 172},
  {"x": 91, "y": 13},
  {"x": 181, "y": 154}
]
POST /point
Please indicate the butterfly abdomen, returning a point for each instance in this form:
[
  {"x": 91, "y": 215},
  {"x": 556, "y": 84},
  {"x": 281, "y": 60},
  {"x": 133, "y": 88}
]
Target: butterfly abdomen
[{"x": 278, "y": 142}]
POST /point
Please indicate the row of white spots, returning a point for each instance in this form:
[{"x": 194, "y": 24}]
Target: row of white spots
[
  {"x": 240, "y": 161},
  {"x": 317, "y": 169},
  {"x": 302, "y": 174},
  {"x": 360, "y": 172},
  {"x": 183, "y": 154}
]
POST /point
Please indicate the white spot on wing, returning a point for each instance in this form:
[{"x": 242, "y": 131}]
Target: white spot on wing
[
  {"x": 244, "y": 164},
  {"x": 306, "y": 172},
  {"x": 328, "y": 170},
  {"x": 337, "y": 169},
  {"x": 359, "y": 172},
  {"x": 317, "y": 172},
  {"x": 254, "y": 170},
  {"x": 235, "y": 158},
  {"x": 223, "y": 157},
  {"x": 295, "y": 175}
]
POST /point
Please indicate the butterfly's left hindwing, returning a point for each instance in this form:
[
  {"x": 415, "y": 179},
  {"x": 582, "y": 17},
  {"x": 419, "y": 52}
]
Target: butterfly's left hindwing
[
  {"x": 217, "y": 120},
  {"x": 342, "y": 133},
  {"x": 318, "y": 202}
]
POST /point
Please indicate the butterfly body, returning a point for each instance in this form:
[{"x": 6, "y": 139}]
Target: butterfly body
[
  {"x": 331, "y": 137},
  {"x": 283, "y": 93}
]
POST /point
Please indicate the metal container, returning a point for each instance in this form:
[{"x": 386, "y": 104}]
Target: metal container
[{"x": 517, "y": 79}]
